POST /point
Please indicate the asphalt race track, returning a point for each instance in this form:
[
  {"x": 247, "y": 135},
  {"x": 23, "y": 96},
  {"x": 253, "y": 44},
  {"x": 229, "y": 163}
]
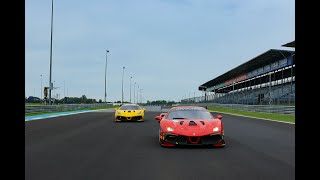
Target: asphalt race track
[{"x": 91, "y": 146}]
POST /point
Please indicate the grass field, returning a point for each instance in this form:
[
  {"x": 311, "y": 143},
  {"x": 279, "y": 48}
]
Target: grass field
[
  {"x": 33, "y": 104},
  {"x": 272, "y": 116}
]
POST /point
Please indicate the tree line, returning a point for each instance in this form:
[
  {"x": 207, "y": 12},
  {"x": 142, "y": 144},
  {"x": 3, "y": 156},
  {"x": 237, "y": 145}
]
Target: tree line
[{"x": 84, "y": 100}]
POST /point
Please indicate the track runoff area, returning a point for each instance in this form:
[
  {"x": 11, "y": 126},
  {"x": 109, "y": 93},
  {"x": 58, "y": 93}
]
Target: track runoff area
[{"x": 91, "y": 145}]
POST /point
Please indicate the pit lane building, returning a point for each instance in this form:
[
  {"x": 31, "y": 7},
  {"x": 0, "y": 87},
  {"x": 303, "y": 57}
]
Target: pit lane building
[{"x": 266, "y": 79}]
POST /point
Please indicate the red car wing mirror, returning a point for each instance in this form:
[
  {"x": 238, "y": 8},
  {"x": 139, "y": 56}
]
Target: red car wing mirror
[
  {"x": 158, "y": 118},
  {"x": 219, "y": 117}
]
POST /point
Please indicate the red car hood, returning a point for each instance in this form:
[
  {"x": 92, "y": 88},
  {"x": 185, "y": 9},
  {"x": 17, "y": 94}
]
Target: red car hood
[{"x": 185, "y": 127}]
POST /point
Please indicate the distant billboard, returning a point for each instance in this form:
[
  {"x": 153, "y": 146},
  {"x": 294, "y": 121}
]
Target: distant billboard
[{"x": 45, "y": 92}]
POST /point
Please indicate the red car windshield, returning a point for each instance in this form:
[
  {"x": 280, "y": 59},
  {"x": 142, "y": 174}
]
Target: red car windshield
[{"x": 189, "y": 114}]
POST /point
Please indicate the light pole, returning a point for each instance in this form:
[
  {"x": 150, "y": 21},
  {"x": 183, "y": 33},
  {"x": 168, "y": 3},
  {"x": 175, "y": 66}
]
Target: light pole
[
  {"x": 205, "y": 92},
  {"x": 122, "y": 83},
  {"x": 105, "y": 78},
  {"x": 41, "y": 87},
  {"x": 50, "y": 83},
  {"x": 137, "y": 94},
  {"x": 134, "y": 88},
  {"x": 141, "y": 95},
  {"x": 270, "y": 88},
  {"x": 214, "y": 95},
  {"x": 130, "y": 89},
  {"x": 194, "y": 97},
  {"x": 233, "y": 92},
  {"x": 64, "y": 92},
  {"x": 53, "y": 91}
]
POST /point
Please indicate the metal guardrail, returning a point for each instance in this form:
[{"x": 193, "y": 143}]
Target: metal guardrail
[
  {"x": 157, "y": 108},
  {"x": 256, "y": 108},
  {"x": 152, "y": 108},
  {"x": 64, "y": 107}
]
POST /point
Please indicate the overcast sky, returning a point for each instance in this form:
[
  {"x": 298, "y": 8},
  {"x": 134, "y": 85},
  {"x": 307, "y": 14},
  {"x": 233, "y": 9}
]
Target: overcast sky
[{"x": 168, "y": 47}]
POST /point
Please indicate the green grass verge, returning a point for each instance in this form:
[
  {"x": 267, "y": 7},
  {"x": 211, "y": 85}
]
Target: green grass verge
[
  {"x": 33, "y": 104},
  {"x": 278, "y": 117},
  {"x": 39, "y": 113}
]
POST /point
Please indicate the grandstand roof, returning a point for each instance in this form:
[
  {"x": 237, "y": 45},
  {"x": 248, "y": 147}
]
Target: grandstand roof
[
  {"x": 266, "y": 58},
  {"x": 290, "y": 44}
]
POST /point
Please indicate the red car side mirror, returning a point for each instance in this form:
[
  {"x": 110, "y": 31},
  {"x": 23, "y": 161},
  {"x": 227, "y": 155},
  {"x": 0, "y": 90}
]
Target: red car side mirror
[
  {"x": 219, "y": 117},
  {"x": 158, "y": 118}
]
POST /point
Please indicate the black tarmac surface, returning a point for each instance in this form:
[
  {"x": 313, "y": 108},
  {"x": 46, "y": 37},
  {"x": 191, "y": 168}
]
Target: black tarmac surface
[{"x": 91, "y": 146}]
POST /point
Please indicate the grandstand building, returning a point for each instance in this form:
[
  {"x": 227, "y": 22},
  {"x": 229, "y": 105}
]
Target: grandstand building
[{"x": 266, "y": 79}]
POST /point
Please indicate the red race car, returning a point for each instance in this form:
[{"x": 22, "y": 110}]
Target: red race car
[{"x": 190, "y": 125}]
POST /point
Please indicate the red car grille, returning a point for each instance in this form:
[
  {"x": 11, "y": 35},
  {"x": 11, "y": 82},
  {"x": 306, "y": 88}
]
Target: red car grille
[
  {"x": 135, "y": 118},
  {"x": 193, "y": 140}
]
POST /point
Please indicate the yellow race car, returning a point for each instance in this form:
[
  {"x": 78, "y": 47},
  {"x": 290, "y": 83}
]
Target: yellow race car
[{"x": 129, "y": 112}]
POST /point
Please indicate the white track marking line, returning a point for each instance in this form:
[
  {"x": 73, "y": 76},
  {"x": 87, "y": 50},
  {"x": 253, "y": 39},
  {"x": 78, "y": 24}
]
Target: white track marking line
[{"x": 254, "y": 117}]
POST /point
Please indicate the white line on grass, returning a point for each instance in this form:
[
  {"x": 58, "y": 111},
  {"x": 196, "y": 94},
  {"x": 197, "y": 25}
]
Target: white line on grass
[{"x": 255, "y": 117}]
